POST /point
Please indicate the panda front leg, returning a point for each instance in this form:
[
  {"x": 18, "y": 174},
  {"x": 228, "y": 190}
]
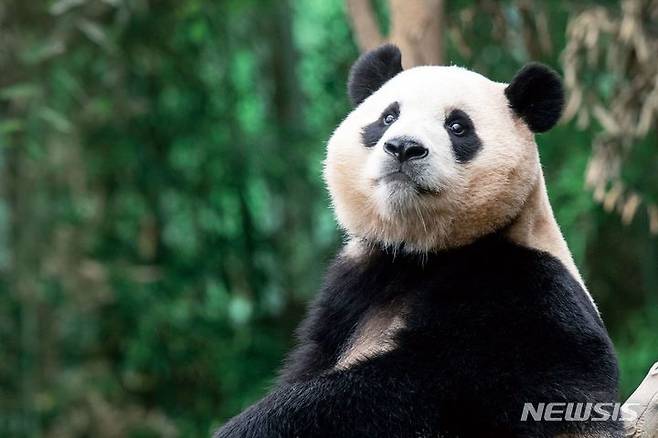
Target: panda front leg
[{"x": 364, "y": 401}]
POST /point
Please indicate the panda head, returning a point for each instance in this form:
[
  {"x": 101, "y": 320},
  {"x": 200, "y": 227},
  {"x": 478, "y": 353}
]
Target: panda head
[{"x": 434, "y": 157}]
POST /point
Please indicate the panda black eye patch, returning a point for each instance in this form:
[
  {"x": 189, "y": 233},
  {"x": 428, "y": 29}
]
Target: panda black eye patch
[
  {"x": 464, "y": 139},
  {"x": 371, "y": 133}
]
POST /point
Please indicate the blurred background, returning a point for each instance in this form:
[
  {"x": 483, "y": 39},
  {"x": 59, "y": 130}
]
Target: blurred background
[{"x": 163, "y": 220}]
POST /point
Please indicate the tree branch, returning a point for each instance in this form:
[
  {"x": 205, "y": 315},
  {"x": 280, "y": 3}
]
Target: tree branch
[{"x": 644, "y": 402}]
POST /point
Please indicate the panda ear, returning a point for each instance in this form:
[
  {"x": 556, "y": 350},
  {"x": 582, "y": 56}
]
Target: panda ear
[
  {"x": 372, "y": 70},
  {"x": 536, "y": 95}
]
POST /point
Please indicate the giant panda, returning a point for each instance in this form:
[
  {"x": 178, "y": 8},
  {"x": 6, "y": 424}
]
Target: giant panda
[{"x": 455, "y": 300}]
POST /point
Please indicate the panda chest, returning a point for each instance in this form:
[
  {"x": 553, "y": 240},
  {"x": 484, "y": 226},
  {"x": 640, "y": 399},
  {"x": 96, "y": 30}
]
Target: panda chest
[{"x": 373, "y": 335}]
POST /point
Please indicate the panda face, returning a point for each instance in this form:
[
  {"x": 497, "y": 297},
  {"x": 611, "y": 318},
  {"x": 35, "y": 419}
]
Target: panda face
[{"x": 434, "y": 158}]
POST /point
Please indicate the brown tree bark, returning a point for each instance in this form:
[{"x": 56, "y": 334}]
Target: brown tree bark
[
  {"x": 364, "y": 24},
  {"x": 416, "y": 27}
]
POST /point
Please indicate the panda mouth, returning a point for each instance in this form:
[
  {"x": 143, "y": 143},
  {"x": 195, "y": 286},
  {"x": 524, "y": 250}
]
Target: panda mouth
[{"x": 400, "y": 176}]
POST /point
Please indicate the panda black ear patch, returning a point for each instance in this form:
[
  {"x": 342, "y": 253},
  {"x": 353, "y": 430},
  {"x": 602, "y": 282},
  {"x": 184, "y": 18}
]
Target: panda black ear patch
[
  {"x": 536, "y": 95},
  {"x": 372, "y": 70}
]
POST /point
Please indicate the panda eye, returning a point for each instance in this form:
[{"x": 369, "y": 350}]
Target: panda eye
[
  {"x": 457, "y": 128},
  {"x": 389, "y": 118}
]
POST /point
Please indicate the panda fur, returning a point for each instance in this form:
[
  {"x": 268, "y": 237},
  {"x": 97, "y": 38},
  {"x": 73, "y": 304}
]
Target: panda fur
[{"x": 455, "y": 300}]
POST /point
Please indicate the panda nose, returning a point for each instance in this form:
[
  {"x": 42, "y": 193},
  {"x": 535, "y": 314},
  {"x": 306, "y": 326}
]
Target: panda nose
[{"x": 405, "y": 149}]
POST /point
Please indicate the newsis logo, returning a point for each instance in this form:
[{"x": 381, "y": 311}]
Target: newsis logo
[{"x": 579, "y": 411}]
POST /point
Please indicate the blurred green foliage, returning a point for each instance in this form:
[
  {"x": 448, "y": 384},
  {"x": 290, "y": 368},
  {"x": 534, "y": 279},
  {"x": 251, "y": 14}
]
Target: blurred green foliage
[{"x": 162, "y": 215}]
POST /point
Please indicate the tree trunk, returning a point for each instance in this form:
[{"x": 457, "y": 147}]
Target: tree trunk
[
  {"x": 416, "y": 28},
  {"x": 364, "y": 24}
]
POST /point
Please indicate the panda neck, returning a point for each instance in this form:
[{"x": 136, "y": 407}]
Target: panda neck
[{"x": 536, "y": 227}]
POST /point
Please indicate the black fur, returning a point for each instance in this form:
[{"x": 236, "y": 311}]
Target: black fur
[
  {"x": 488, "y": 327},
  {"x": 372, "y": 70},
  {"x": 374, "y": 131},
  {"x": 465, "y": 146},
  {"x": 536, "y": 95}
]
